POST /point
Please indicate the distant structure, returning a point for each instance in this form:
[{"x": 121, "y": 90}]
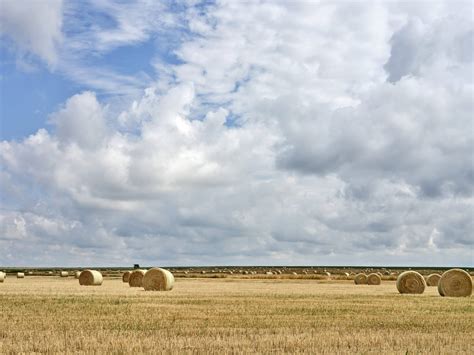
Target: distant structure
[{"x": 136, "y": 266}]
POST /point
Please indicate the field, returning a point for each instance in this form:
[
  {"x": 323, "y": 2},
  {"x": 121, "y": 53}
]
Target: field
[{"x": 222, "y": 315}]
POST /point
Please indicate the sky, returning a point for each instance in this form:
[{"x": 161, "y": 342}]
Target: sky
[{"x": 236, "y": 133}]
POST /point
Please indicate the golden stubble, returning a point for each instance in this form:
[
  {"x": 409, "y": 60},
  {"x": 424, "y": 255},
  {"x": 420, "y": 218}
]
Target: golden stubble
[{"x": 48, "y": 314}]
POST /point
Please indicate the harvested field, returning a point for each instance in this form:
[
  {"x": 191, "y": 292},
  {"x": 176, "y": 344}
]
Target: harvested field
[{"x": 45, "y": 314}]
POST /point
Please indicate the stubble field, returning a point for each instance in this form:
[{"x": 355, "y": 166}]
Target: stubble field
[{"x": 52, "y": 314}]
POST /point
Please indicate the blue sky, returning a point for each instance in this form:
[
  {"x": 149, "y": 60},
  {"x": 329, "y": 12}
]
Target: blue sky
[
  {"x": 23, "y": 112},
  {"x": 48, "y": 87},
  {"x": 199, "y": 133}
]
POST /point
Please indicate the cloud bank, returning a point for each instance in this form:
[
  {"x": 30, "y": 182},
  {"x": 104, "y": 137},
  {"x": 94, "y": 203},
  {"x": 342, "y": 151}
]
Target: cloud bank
[{"x": 329, "y": 133}]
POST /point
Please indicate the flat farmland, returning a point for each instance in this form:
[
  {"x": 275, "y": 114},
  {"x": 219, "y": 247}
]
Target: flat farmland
[{"x": 52, "y": 314}]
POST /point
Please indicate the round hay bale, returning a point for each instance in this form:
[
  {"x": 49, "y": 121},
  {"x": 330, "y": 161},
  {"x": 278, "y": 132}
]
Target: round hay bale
[
  {"x": 432, "y": 279},
  {"x": 203, "y": 272},
  {"x": 327, "y": 274},
  {"x": 158, "y": 279},
  {"x": 455, "y": 283},
  {"x": 77, "y": 274},
  {"x": 360, "y": 279},
  {"x": 126, "y": 276},
  {"x": 346, "y": 274},
  {"x": 294, "y": 273},
  {"x": 90, "y": 278},
  {"x": 374, "y": 279},
  {"x": 136, "y": 277},
  {"x": 64, "y": 274},
  {"x": 411, "y": 282},
  {"x": 2, "y": 276},
  {"x": 269, "y": 273},
  {"x": 379, "y": 273},
  {"x": 20, "y": 275}
]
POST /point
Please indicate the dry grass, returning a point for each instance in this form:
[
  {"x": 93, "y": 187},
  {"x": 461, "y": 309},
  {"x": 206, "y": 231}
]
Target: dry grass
[
  {"x": 432, "y": 279},
  {"x": 158, "y": 279},
  {"x": 136, "y": 277},
  {"x": 41, "y": 314},
  {"x": 411, "y": 282},
  {"x": 455, "y": 283},
  {"x": 90, "y": 278}
]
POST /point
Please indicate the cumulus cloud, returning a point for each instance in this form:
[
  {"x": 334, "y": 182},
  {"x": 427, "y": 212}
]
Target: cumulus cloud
[
  {"x": 430, "y": 50},
  {"x": 80, "y": 121},
  {"x": 286, "y": 135},
  {"x": 34, "y": 26},
  {"x": 404, "y": 132}
]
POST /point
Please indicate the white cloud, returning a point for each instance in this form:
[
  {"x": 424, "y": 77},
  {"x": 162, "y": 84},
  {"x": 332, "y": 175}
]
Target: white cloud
[
  {"x": 95, "y": 29},
  {"x": 288, "y": 135},
  {"x": 133, "y": 22},
  {"x": 34, "y": 26},
  {"x": 81, "y": 121}
]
